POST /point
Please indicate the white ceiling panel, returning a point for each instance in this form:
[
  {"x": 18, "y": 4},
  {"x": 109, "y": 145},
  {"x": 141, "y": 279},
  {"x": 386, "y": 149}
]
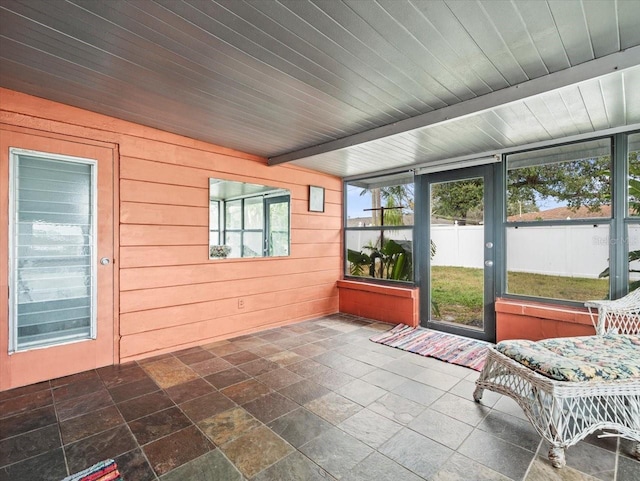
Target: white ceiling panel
[{"x": 347, "y": 87}]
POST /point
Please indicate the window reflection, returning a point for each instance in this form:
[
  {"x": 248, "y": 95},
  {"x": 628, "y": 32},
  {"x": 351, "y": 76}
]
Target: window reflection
[{"x": 247, "y": 220}]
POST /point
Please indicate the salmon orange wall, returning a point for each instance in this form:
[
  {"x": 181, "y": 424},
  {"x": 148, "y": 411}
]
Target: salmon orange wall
[
  {"x": 535, "y": 321},
  {"x": 171, "y": 296},
  {"x": 384, "y": 303}
]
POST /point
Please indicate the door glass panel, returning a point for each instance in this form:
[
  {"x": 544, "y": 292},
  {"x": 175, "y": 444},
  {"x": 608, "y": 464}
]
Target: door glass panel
[
  {"x": 633, "y": 234},
  {"x": 278, "y": 230},
  {"x": 633, "y": 169},
  {"x": 52, "y": 251},
  {"x": 457, "y": 252}
]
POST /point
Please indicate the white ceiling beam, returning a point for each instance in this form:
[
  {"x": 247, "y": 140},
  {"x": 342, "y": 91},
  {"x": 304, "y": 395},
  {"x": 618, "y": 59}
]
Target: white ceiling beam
[{"x": 574, "y": 75}]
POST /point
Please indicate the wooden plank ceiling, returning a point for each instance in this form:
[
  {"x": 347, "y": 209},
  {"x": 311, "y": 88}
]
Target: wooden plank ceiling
[{"x": 346, "y": 87}]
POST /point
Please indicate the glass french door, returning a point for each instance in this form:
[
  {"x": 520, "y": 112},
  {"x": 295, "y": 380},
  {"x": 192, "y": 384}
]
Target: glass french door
[{"x": 459, "y": 293}]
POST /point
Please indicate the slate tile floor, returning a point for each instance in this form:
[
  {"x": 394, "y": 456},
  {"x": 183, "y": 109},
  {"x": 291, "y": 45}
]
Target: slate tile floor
[{"x": 311, "y": 401}]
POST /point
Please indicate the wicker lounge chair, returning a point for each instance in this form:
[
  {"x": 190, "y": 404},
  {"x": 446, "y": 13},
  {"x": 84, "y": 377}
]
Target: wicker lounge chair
[{"x": 572, "y": 387}]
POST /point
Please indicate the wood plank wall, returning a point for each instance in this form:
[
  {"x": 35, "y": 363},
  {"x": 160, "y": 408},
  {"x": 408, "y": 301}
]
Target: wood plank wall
[{"x": 171, "y": 296}]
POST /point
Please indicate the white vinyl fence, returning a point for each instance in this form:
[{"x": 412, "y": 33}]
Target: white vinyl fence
[{"x": 572, "y": 251}]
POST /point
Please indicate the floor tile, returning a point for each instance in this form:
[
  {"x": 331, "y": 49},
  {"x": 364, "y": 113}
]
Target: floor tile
[
  {"x": 77, "y": 389},
  {"x": 541, "y": 470},
  {"x": 124, "y": 392},
  {"x": 189, "y": 390},
  {"x": 26, "y": 402},
  {"x": 144, "y": 405},
  {"x": 256, "y": 450},
  {"x": 265, "y": 349},
  {"x": 458, "y": 467},
  {"x": 24, "y": 390},
  {"x": 284, "y": 358},
  {"x": 309, "y": 350},
  {"x": 249, "y": 342},
  {"x": 49, "y": 466},
  {"x": 274, "y": 335},
  {"x": 361, "y": 392},
  {"x": 105, "y": 445},
  {"x": 308, "y": 368},
  {"x": 601, "y": 440},
  {"x": 507, "y": 405},
  {"x": 441, "y": 428},
  {"x": 113, "y": 376},
  {"x": 408, "y": 448},
  {"x": 169, "y": 372},
  {"x": 176, "y": 449},
  {"x": 158, "y": 424},
  {"x": 81, "y": 376},
  {"x": 240, "y": 357},
  {"x": 206, "y": 406},
  {"x": 384, "y": 379},
  {"x": 299, "y": 406},
  {"x": 153, "y": 359},
  {"x": 227, "y": 378},
  {"x": 333, "y": 407},
  {"x": 628, "y": 469},
  {"x": 396, "y": 408},
  {"x": 437, "y": 379},
  {"x": 134, "y": 466},
  {"x": 355, "y": 368},
  {"x": 279, "y": 378},
  {"x": 404, "y": 368},
  {"x": 83, "y": 405},
  {"x": 591, "y": 460},
  {"x": 211, "y": 366},
  {"x": 29, "y": 444},
  {"x": 210, "y": 466},
  {"x": 294, "y": 467},
  {"x": 89, "y": 424},
  {"x": 246, "y": 391},
  {"x": 299, "y": 427},
  {"x": 270, "y": 406},
  {"x": 380, "y": 468},
  {"x": 501, "y": 456},
  {"x": 336, "y": 452},
  {"x": 27, "y": 421},
  {"x": 511, "y": 429},
  {"x": 627, "y": 447},
  {"x": 259, "y": 366},
  {"x": 228, "y": 425},
  {"x": 332, "y": 379},
  {"x": 224, "y": 349},
  {"x": 418, "y": 392},
  {"x": 370, "y": 428},
  {"x": 469, "y": 412},
  {"x": 289, "y": 343},
  {"x": 195, "y": 356},
  {"x": 465, "y": 390},
  {"x": 304, "y": 391}
]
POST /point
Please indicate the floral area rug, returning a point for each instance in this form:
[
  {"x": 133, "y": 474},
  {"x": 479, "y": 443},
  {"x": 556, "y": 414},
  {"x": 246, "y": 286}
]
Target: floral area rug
[{"x": 440, "y": 345}]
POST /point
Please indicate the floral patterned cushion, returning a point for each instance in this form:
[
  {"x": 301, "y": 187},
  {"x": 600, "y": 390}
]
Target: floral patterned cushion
[{"x": 609, "y": 357}]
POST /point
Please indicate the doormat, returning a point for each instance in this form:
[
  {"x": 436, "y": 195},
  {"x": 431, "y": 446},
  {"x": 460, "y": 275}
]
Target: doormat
[
  {"x": 440, "y": 345},
  {"x": 103, "y": 471}
]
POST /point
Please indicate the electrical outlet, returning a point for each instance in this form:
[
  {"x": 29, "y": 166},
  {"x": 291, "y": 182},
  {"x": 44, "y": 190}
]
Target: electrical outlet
[{"x": 240, "y": 303}]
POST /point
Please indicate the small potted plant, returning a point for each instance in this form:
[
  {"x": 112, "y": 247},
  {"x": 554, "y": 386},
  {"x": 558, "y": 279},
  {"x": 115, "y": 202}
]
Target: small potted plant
[{"x": 219, "y": 251}]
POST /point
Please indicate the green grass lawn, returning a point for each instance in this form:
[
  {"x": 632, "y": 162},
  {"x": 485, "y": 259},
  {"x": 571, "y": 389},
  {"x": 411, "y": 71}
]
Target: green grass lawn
[{"x": 458, "y": 291}]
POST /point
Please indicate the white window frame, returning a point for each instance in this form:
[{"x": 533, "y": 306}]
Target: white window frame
[{"x": 14, "y": 155}]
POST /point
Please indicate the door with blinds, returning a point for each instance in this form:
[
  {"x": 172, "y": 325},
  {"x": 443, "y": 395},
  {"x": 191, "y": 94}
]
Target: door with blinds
[{"x": 60, "y": 303}]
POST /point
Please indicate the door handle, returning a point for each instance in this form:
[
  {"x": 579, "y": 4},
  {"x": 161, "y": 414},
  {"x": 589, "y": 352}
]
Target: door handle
[{"x": 488, "y": 263}]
